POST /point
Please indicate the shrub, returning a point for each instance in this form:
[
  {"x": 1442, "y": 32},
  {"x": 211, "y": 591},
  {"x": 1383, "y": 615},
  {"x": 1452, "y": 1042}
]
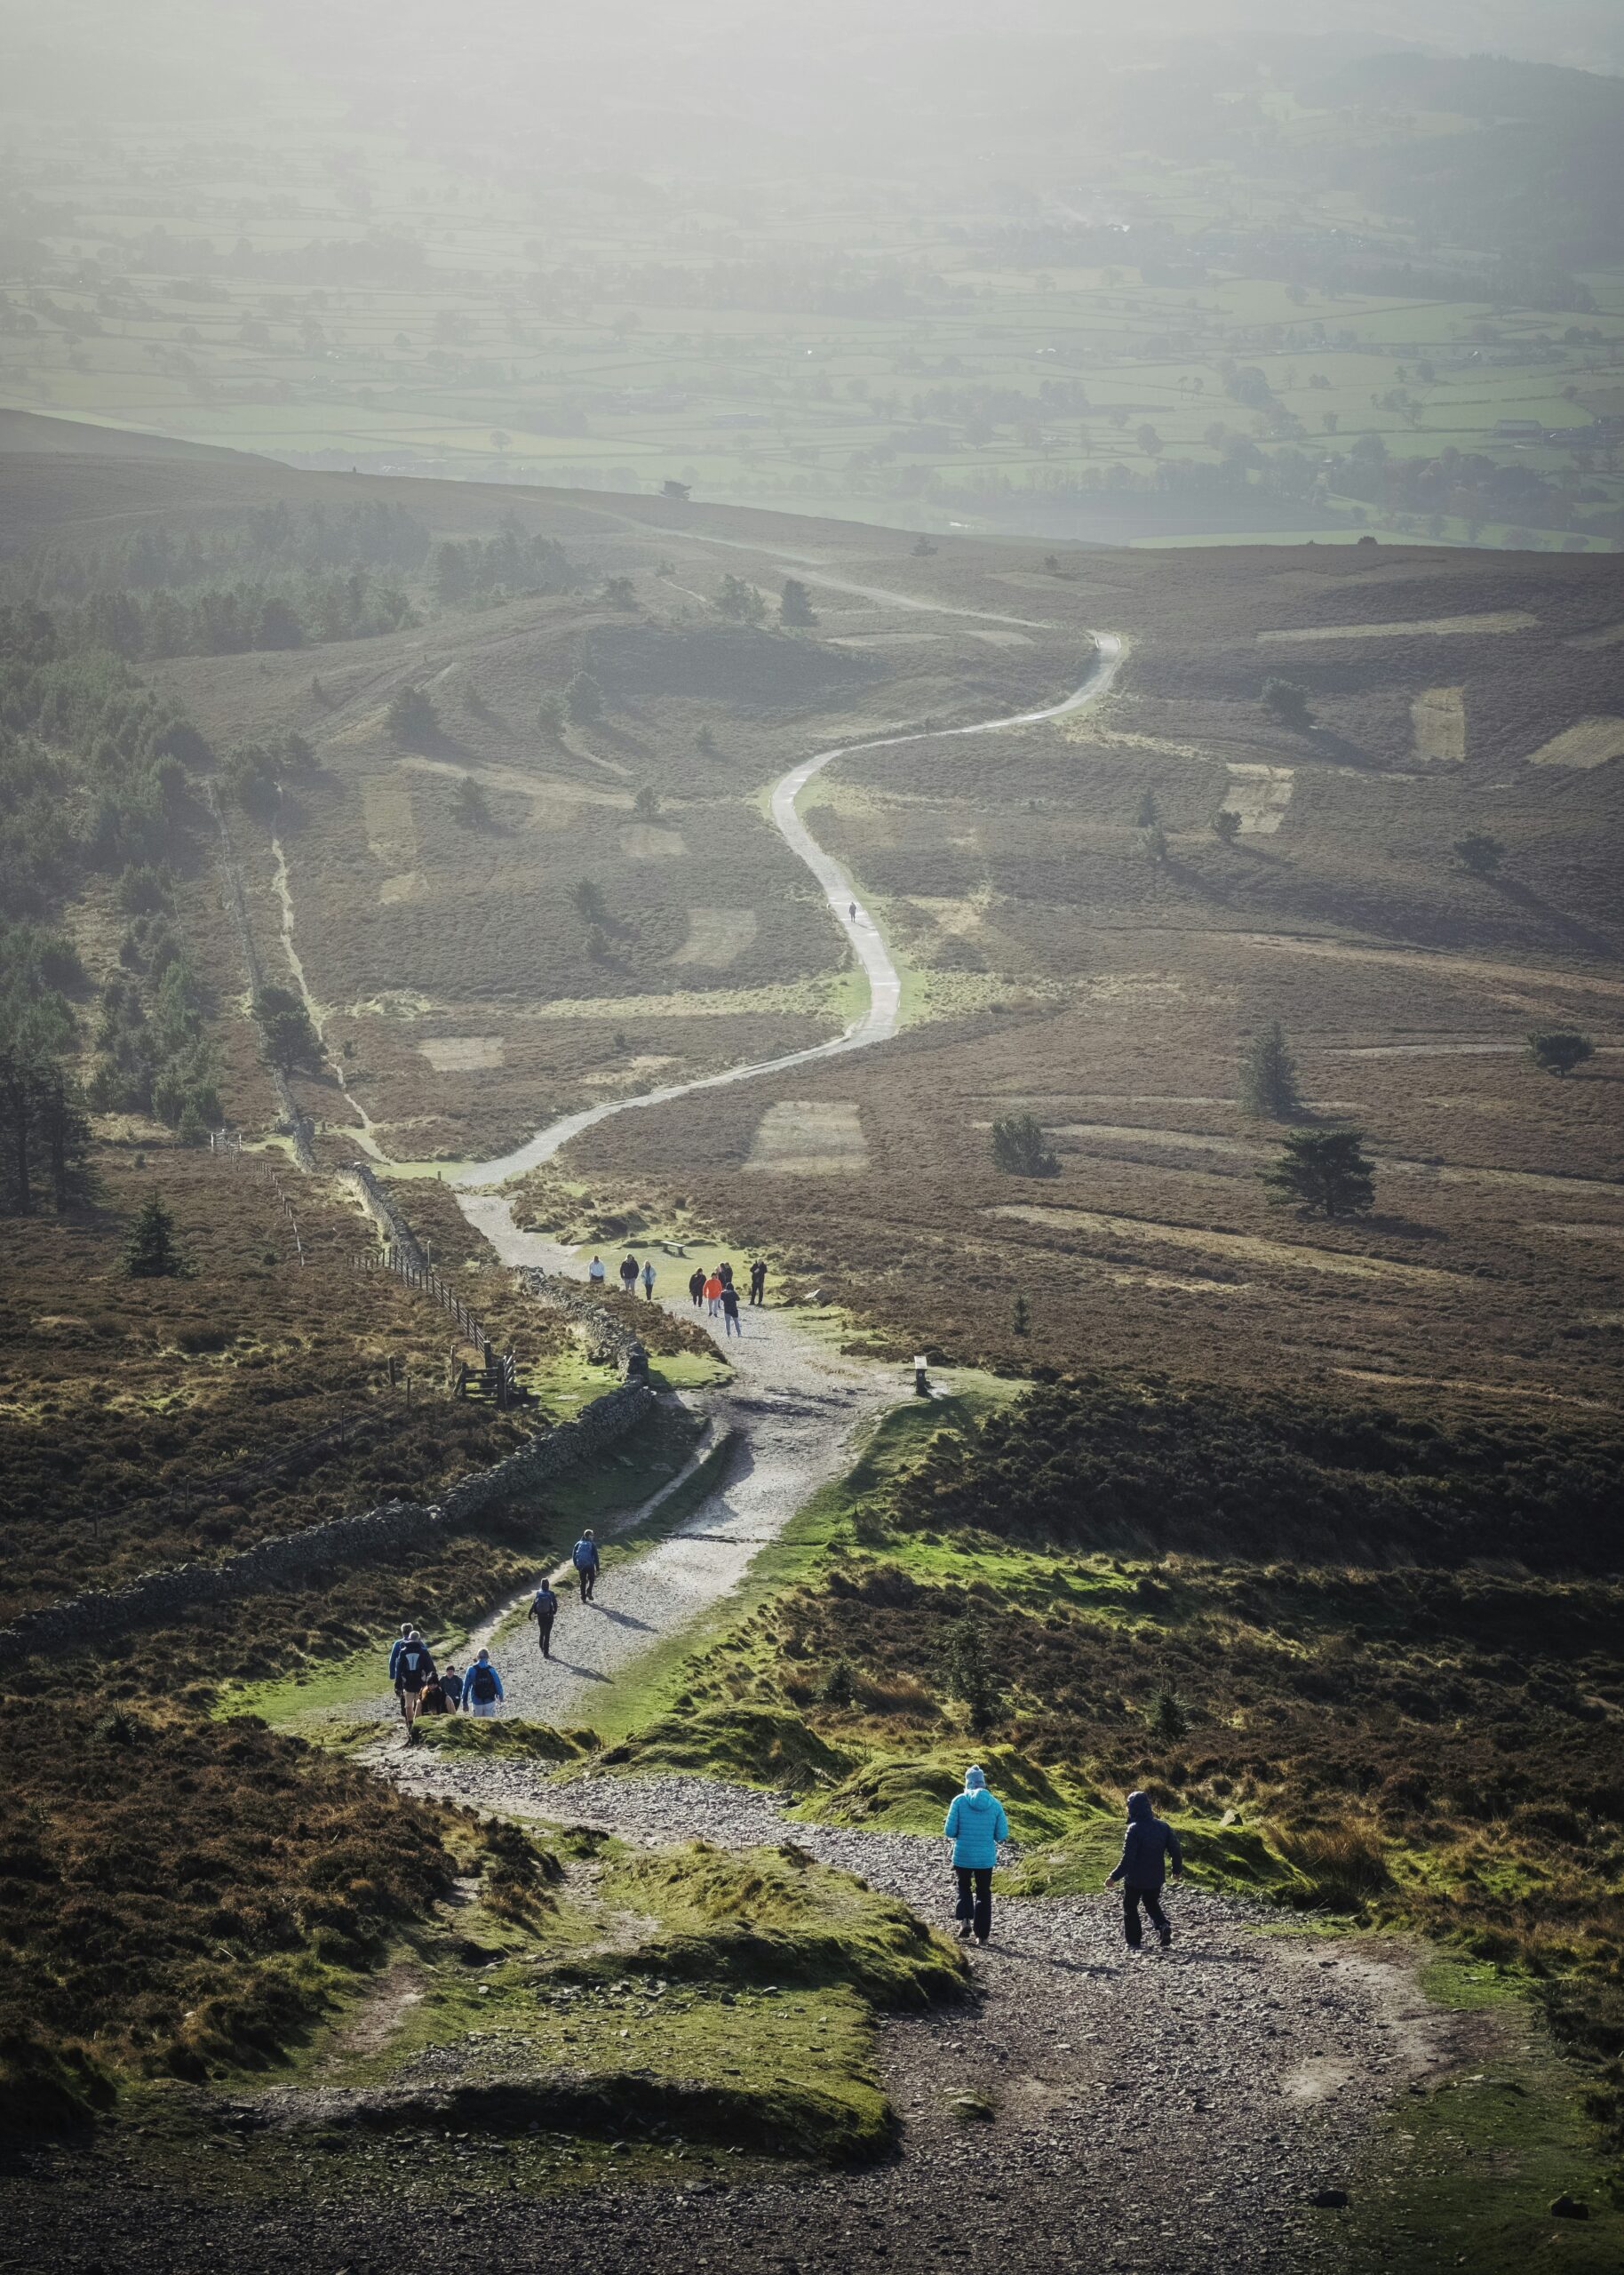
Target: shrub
[
  {"x": 1020, "y": 1149},
  {"x": 1559, "y": 1049},
  {"x": 1479, "y": 853},
  {"x": 1286, "y": 701},
  {"x": 1226, "y": 826}
]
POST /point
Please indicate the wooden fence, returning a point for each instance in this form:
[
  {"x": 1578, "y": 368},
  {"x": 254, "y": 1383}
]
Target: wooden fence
[
  {"x": 427, "y": 1281},
  {"x": 229, "y": 1142}
]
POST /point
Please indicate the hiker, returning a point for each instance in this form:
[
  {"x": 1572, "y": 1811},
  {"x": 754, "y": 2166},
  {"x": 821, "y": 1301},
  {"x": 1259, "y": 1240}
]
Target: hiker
[
  {"x": 544, "y": 1611},
  {"x": 757, "y": 1281},
  {"x": 724, "y": 1272},
  {"x": 397, "y": 1647},
  {"x": 450, "y": 1682},
  {"x": 732, "y": 1323},
  {"x": 434, "y": 1700},
  {"x": 594, "y": 1272},
  {"x": 975, "y": 1825},
  {"x": 1148, "y": 1842},
  {"x": 852, "y": 912},
  {"x": 586, "y": 1559},
  {"x": 713, "y": 1294},
  {"x": 482, "y": 1690},
  {"x": 695, "y": 1285},
  {"x": 648, "y": 1281},
  {"x": 628, "y": 1273},
  {"x": 411, "y": 1672}
]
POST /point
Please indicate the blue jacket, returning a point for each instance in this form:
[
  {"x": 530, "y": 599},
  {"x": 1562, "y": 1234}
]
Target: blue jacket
[
  {"x": 975, "y": 1825},
  {"x": 585, "y": 1556},
  {"x": 395, "y": 1648},
  {"x": 479, "y": 1667},
  {"x": 1148, "y": 1842}
]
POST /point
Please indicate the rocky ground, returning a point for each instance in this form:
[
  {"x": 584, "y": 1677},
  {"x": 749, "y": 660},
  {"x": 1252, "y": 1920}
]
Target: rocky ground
[{"x": 1161, "y": 2112}]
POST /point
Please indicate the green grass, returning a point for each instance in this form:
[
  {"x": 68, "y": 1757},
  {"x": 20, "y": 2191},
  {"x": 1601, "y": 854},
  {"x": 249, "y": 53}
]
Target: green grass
[
  {"x": 1469, "y": 2168},
  {"x": 730, "y": 1998}
]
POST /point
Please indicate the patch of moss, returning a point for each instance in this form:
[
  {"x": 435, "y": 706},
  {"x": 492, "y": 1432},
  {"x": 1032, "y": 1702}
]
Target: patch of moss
[
  {"x": 749, "y": 1744},
  {"x": 457, "y": 1734}
]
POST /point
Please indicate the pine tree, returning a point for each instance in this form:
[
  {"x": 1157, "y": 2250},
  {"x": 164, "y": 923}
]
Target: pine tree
[
  {"x": 969, "y": 1673},
  {"x": 1325, "y": 1172},
  {"x": 1167, "y": 1717},
  {"x": 584, "y": 699},
  {"x": 1268, "y": 1076},
  {"x": 1020, "y": 1316},
  {"x": 151, "y": 1252},
  {"x": 470, "y": 806},
  {"x": 795, "y": 610}
]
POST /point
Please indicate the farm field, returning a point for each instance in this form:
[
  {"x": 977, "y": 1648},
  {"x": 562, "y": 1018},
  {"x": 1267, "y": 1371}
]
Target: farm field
[{"x": 1188, "y": 305}]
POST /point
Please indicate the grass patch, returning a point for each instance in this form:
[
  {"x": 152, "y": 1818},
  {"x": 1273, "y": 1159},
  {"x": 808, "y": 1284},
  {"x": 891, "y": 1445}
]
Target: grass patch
[
  {"x": 1470, "y": 2171},
  {"x": 510, "y": 1739}
]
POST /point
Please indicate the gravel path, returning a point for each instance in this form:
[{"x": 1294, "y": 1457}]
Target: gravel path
[
  {"x": 796, "y": 1404},
  {"x": 1160, "y": 2114}
]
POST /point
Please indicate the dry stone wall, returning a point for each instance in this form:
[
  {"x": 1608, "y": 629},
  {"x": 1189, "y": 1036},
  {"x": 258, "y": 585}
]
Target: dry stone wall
[{"x": 364, "y": 1538}]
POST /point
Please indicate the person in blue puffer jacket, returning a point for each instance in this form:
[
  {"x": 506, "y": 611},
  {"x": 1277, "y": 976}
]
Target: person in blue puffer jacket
[
  {"x": 1147, "y": 1844},
  {"x": 975, "y": 1825}
]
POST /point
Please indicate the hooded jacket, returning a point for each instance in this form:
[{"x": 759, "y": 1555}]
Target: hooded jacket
[
  {"x": 1148, "y": 1841},
  {"x": 583, "y": 1555},
  {"x": 975, "y": 1825}
]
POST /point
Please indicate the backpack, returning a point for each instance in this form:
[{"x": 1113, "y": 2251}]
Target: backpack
[
  {"x": 482, "y": 1684},
  {"x": 586, "y": 1556},
  {"x": 414, "y": 1661},
  {"x": 545, "y": 1604}
]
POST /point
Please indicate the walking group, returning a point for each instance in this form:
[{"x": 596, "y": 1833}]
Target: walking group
[
  {"x": 976, "y": 1828},
  {"x": 421, "y": 1687},
  {"x": 632, "y": 1274},
  {"x": 715, "y": 1293}
]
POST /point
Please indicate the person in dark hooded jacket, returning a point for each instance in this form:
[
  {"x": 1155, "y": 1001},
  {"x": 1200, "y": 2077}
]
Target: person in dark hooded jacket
[{"x": 1150, "y": 1840}]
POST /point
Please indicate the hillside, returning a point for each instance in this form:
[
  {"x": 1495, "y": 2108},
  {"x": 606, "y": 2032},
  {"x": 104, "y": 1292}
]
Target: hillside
[{"x": 346, "y": 819}]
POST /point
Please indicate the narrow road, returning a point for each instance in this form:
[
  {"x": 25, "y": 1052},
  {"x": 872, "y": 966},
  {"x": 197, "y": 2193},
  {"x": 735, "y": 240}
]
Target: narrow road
[{"x": 878, "y": 1021}]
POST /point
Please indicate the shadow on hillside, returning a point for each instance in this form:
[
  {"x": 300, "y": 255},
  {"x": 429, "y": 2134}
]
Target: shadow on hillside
[
  {"x": 1572, "y": 928},
  {"x": 1403, "y": 1228}
]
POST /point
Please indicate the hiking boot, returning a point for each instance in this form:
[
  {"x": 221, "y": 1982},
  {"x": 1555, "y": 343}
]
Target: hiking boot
[
  {"x": 981, "y": 1941},
  {"x": 1165, "y": 1937},
  {"x": 963, "y": 1931}
]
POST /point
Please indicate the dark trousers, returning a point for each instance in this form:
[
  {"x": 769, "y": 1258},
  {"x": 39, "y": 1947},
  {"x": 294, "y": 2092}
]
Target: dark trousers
[
  {"x": 976, "y": 1908},
  {"x": 544, "y": 1636},
  {"x": 1151, "y": 1899},
  {"x": 589, "y": 1581},
  {"x": 758, "y": 1291}
]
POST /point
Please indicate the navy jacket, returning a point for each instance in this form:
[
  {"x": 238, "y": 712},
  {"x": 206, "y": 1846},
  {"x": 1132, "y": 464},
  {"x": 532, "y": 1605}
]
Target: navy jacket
[{"x": 1148, "y": 1842}]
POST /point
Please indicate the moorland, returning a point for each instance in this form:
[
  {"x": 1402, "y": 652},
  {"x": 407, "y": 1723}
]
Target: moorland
[{"x": 1307, "y": 1522}]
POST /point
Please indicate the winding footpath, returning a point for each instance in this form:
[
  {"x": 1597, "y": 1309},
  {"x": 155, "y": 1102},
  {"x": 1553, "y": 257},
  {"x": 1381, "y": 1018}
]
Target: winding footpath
[
  {"x": 1129, "y": 2114},
  {"x": 878, "y": 1021}
]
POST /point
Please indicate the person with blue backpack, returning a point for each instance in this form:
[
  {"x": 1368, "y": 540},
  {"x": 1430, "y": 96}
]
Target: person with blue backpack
[
  {"x": 976, "y": 1826},
  {"x": 584, "y": 1557},
  {"x": 481, "y": 1690},
  {"x": 1150, "y": 1840}
]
